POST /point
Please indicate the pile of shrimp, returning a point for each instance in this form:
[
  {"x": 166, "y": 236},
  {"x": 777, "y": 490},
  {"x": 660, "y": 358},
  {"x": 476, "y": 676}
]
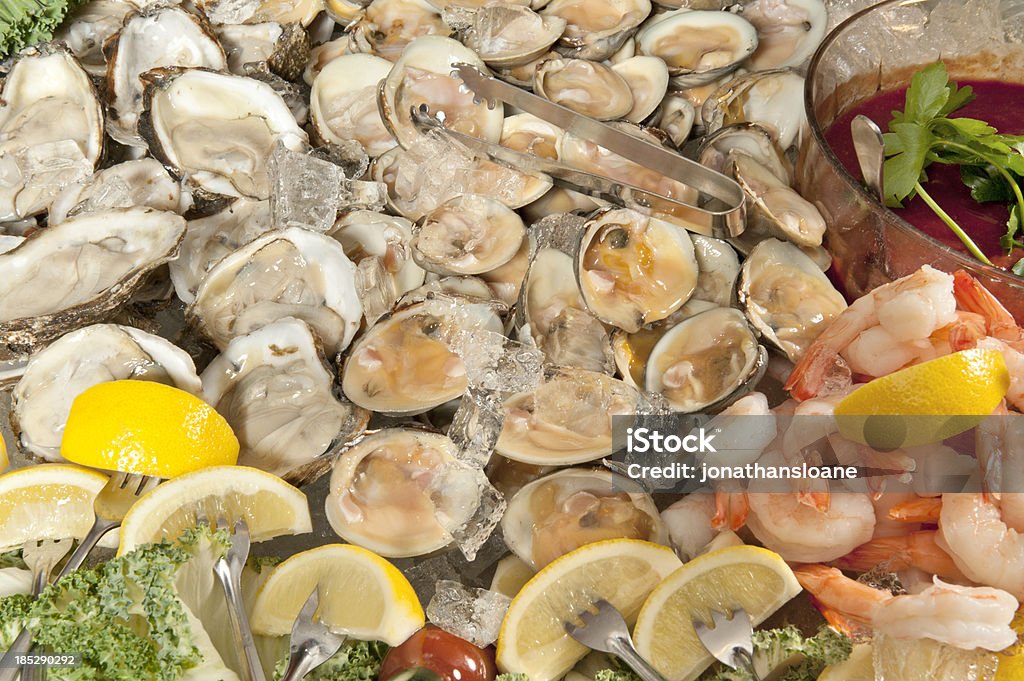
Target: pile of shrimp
[{"x": 960, "y": 556}]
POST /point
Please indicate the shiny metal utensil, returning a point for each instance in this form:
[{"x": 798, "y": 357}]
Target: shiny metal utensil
[
  {"x": 720, "y": 210},
  {"x": 730, "y": 639},
  {"x": 111, "y": 504},
  {"x": 311, "y": 644},
  {"x": 870, "y": 150},
  {"x": 228, "y": 569},
  {"x": 606, "y": 630},
  {"x": 41, "y": 557}
]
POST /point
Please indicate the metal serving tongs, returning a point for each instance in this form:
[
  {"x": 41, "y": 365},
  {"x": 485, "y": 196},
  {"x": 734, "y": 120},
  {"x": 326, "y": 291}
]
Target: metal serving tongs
[{"x": 719, "y": 211}]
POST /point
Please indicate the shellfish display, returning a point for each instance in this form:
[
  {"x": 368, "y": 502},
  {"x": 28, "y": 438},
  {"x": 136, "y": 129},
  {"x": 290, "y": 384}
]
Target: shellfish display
[{"x": 418, "y": 373}]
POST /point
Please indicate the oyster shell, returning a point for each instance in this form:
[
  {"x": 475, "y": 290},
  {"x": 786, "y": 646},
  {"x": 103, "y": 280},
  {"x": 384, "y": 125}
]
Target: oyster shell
[
  {"x": 566, "y": 420},
  {"x": 379, "y": 494},
  {"x": 216, "y": 130},
  {"x": 704, "y": 360},
  {"x": 563, "y": 511},
  {"x": 343, "y": 103},
  {"x": 153, "y": 38},
  {"x": 507, "y": 35},
  {"x": 787, "y": 297},
  {"x": 133, "y": 183},
  {"x": 387, "y": 27},
  {"x": 778, "y": 208},
  {"x": 764, "y": 97},
  {"x": 406, "y": 364},
  {"x": 586, "y": 87},
  {"x": 422, "y": 75},
  {"x": 208, "y": 239},
  {"x": 469, "y": 234},
  {"x": 284, "y": 48},
  {"x": 275, "y": 389},
  {"x": 595, "y": 29},
  {"x": 647, "y": 78},
  {"x": 697, "y": 45},
  {"x": 363, "y": 233},
  {"x": 74, "y": 273},
  {"x": 719, "y": 268},
  {"x": 287, "y": 273},
  {"x": 716, "y": 149},
  {"x": 88, "y": 28},
  {"x": 75, "y": 362},
  {"x": 51, "y": 130},
  {"x": 633, "y": 270}
]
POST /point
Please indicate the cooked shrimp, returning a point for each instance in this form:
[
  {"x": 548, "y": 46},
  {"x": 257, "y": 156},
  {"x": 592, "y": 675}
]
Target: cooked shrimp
[
  {"x": 900, "y": 552},
  {"x": 961, "y": 616},
  {"x": 983, "y": 545},
  {"x": 805, "y": 534},
  {"x": 882, "y": 331},
  {"x": 917, "y": 510},
  {"x": 973, "y": 297}
]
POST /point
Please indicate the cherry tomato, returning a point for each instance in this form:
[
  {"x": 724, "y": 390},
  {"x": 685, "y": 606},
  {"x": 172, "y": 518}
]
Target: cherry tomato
[{"x": 452, "y": 658}]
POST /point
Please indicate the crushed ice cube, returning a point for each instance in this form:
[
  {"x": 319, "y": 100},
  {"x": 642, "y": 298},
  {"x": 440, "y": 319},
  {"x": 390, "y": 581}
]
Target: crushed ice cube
[
  {"x": 495, "y": 362},
  {"x": 471, "y": 614},
  {"x": 453, "y": 565},
  {"x": 577, "y": 338},
  {"x": 348, "y": 155},
  {"x": 53, "y": 165},
  {"x": 458, "y": 18},
  {"x": 295, "y": 96},
  {"x": 376, "y": 288},
  {"x": 113, "y": 193},
  {"x": 232, "y": 11},
  {"x": 476, "y": 426},
  {"x": 308, "y": 192},
  {"x": 466, "y": 505}
]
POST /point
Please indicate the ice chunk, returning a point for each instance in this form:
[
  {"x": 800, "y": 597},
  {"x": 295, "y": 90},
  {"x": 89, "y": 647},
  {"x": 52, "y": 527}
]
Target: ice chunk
[
  {"x": 308, "y": 192},
  {"x": 494, "y": 362},
  {"x": 476, "y": 426},
  {"x": 114, "y": 193},
  {"x": 466, "y": 505},
  {"x": 453, "y": 565},
  {"x": 348, "y": 155},
  {"x": 232, "y": 11},
  {"x": 577, "y": 338},
  {"x": 471, "y": 614},
  {"x": 376, "y": 288},
  {"x": 47, "y": 169}
]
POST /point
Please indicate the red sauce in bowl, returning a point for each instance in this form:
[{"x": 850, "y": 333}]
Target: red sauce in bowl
[{"x": 1001, "y": 105}]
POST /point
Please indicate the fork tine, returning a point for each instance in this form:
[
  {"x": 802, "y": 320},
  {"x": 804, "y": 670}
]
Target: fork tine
[{"x": 309, "y": 607}]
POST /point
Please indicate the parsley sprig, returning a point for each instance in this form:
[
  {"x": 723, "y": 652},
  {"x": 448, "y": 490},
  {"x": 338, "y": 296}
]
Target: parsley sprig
[{"x": 991, "y": 164}]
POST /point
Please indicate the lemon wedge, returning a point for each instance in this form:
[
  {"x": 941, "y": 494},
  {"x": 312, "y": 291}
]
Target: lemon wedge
[
  {"x": 360, "y": 594},
  {"x": 147, "y": 428},
  {"x": 621, "y": 571},
  {"x": 270, "y": 506},
  {"x": 756, "y": 579},
  {"x": 4, "y": 461},
  {"x": 47, "y": 501},
  {"x": 925, "y": 403},
  {"x": 510, "y": 575},
  {"x": 857, "y": 667}
]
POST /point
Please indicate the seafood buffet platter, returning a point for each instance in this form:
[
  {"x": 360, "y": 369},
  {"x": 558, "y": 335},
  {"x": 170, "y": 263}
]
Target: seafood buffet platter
[{"x": 292, "y": 386}]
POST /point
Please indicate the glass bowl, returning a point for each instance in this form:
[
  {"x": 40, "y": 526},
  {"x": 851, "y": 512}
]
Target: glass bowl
[{"x": 879, "y": 49}]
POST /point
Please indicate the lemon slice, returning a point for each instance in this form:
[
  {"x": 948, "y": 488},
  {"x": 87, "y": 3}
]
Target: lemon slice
[
  {"x": 925, "y": 403},
  {"x": 271, "y": 507},
  {"x": 361, "y": 595},
  {"x": 4, "y": 461},
  {"x": 510, "y": 575},
  {"x": 621, "y": 571},
  {"x": 857, "y": 667},
  {"x": 756, "y": 579},
  {"x": 47, "y": 501},
  {"x": 147, "y": 428}
]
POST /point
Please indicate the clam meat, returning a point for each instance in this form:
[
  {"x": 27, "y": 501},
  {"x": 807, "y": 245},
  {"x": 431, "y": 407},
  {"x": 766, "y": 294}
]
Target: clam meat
[
  {"x": 586, "y": 87},
  {"x": 343, "y": 103},
  {"x": 565, "y": 510},
  {"x": 469, "y": 234},
  {"x": 595, "y": 29}
]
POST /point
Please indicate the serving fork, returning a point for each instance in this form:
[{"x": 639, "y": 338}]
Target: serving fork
[
  {"x": 605, "y": 630},
  {"x": 729, "y": 639},
  {"x": 228, "y": 569},
  {"x": 312, "y": 643},
  {"x": 110, "y": 506},
  {"x": 41, "y": 557}
]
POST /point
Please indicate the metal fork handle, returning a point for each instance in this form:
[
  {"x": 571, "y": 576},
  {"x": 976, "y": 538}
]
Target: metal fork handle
[
  {"x": 746, "y": 660},
  {"x": 23, "y": 643},
  {"x": 249, "y": 658},
  {"x": 623, "y": 647},
  {"x": 300, "y": 663}
]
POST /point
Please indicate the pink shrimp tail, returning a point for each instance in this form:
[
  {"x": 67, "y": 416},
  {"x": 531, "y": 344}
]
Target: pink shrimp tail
[
  {"x": 917, "y": 550},
  {"x": 920, "y": 510},
  {"x": 846, "y": 604},
  {"x": 731, "y": 510},
  {"x": 973, "y": 297},
  {"x": 820, "y": 501},
  {"x": 965, "y": 333},
  {"x": 810, "y": 372}
]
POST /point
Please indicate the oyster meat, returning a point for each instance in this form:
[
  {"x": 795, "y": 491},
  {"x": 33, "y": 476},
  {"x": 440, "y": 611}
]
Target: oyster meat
[
  {"x": 217, "y": 130},
  {"x": 60, "y": 372},
  {"x": 51, "y": 130},
  {"x": 74, "y": 273},
  {"x": 287, "y": 273},
  {"x": 275, "y": 389}
]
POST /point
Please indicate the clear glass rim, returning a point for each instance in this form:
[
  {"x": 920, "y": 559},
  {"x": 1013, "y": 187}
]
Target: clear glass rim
[{"x": 888, "y": 216}]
